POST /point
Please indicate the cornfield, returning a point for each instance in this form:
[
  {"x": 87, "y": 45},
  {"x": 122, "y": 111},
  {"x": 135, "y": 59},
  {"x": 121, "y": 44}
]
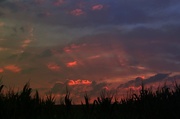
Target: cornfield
[{"x": 164, "y": 103}]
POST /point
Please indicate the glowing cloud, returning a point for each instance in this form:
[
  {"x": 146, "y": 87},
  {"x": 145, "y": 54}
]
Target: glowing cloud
[
  {"x": 73, "y": 48},
  {"x": 94, "y": 57},
  {"x": 79, "y": 82},
  {"x": 53, "y": 67},
  {"x": 139, "y": 67},
  {"x": 97, "y": 7},
  {"x": 13, "y": 68},
  {"x": 77, "y": 12},
  {"x": 72, "y": 64}
]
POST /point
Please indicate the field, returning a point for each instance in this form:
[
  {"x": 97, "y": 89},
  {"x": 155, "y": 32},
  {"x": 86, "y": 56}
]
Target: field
[{"x": 164, "y": 103}]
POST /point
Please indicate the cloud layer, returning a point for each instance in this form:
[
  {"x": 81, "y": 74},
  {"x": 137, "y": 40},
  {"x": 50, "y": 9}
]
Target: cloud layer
[{"x": 103, "y": 44}]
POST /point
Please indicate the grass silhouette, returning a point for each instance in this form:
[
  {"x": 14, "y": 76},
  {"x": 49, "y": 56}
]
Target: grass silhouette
[{"x": 164, "y": 103}]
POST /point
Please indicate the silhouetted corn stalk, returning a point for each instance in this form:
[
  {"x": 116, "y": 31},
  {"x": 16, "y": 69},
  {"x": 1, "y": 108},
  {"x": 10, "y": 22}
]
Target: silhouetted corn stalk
[
  {"x": 50, "y": 100},
  {"x": 86, "y": 108},
  {"x": 105, "y": 105},
  {"x": 68, "y": 104}
]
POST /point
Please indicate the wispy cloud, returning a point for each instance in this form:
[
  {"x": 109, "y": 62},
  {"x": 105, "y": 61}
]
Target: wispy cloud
[
  {"x": 138, "y": 81},
  {"x": 97, "y": 7},
  {"x": 77, "y": 12},
  {"x": 13, "y": 68},
  {"x": 53, "y": 66}
]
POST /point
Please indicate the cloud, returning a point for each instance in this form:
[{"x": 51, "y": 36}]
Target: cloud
[
  {"x": 138, "y": 81},
  {"x": 79, "y": 82},
  {"x": 71, "y": 64},
  {"x": 108, "y": 41},
  {"x": 156, "y": 78},
  {"x": 149, "y": 12},
  {"x": 13, "y": 68},
  {"x": 79, "y": 88},
  {"x": 97, "y": 7},
  {"x": 59, "y": 88},
  {"x": 77, "y": 12},
  {"x": 94, "y": 57},
  {"x": 53, "y": 66}
]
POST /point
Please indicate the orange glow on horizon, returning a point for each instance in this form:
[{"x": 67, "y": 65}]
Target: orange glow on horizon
[
  {"x": 13, "y": 68},
  {"x": 72, "y": 64},
  {"x": 79, "y": 82}
]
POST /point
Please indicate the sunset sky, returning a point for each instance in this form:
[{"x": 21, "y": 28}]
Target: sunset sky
[{"x": 89, "y": 45}]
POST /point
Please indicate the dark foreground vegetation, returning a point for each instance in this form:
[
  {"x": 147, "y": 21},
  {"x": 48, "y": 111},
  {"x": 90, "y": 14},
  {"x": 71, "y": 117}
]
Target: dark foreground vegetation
[{"x": 164, "y": 103}]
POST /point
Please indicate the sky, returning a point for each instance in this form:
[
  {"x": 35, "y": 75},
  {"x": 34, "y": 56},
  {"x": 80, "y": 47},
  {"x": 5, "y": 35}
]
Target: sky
[{"x": 89, "y": 45}]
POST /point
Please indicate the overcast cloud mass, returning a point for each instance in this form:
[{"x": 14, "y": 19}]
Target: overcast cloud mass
[{"x": 89, "y": 45}]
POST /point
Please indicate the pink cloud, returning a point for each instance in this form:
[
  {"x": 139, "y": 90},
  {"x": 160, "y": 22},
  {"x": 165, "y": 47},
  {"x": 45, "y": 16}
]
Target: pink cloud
[
  {"x": 97, "y": 7},
  {"x": 79, "y": 82},
  {"x": 74, "y": 48},
  {"x": 53, "y": 67},
  {"x": 72, "y": 64},
  {"x": 94, "y": 57},
  {"x": 77, "y": 12},
  {"x": 13, "y": 68}
]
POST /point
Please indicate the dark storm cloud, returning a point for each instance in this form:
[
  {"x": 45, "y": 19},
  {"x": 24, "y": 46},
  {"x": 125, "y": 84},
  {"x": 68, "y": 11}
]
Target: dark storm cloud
[
  {"x": 156, "y": 48},
  {"x": 114, "y": 12},
  {"x": 46, "y": 53},
  {"x": 59, "y": 88},
  {"x": 138, "y": 81},
  {"x": 78, "y": 91}
]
